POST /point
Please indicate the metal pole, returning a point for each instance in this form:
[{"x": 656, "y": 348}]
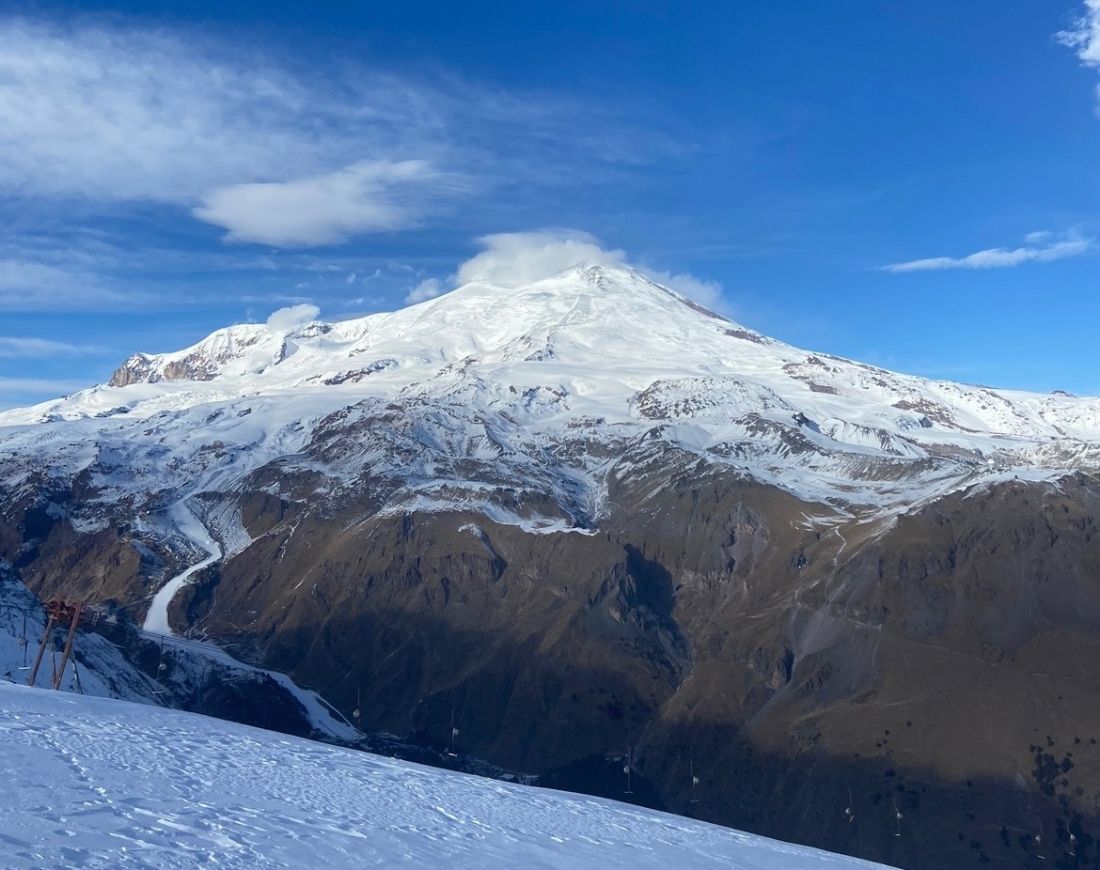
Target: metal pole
[
  {"x": 23, "y": 641},
  {"x": 50, "y": 623},
  {"x": 68, "y": 645}
]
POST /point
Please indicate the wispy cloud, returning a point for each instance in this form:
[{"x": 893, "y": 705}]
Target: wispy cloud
[
  {"x": 427, "y": 289},
  {"x": 15, "y": 387},
  {"x": 132, "y": 114},
  {"x": 273, "y": 151},
  {"x": 1084, "y": 38},
  {"x": 1041, "y": 247},
  {"x": 1085, "y": 34},
  {"x": 14, "y": 347},
  {"x": 27, "y": 285}
]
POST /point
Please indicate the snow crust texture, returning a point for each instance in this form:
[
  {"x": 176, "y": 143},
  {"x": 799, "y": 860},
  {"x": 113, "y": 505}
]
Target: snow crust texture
[{"x": 97, "y": 783}]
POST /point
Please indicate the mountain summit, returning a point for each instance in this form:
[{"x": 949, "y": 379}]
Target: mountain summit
[{"x": 594, "y": 352}]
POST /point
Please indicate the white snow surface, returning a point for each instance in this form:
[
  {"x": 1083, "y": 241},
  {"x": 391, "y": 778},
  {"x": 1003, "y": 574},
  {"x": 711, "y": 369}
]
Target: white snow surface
[
  {"x": 99, "y": 783},
  {"x": 548, "y": 386}
]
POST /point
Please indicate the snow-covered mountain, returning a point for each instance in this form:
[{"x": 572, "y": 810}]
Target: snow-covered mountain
[
  {"x": 588, "y": 523},
  {"x": 107, "y": 784},
  {"x": 489, "y": 386}
]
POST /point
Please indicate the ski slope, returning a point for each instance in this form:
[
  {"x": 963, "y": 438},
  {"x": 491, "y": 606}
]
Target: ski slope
[{"x": 99, "y": 783}]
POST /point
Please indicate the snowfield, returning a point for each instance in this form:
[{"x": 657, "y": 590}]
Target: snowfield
[
  {"x": 99, "y": 783},
  {"x": 488, "y": 386}
]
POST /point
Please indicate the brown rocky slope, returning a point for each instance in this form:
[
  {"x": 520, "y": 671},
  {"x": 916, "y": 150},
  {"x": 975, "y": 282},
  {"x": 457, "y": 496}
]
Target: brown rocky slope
[{"x": 801, "y": 662}]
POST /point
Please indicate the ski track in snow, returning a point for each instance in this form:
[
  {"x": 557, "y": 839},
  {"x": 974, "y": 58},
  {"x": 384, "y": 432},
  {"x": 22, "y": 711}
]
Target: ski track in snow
[
  {"x": 97, "y": 783},
  {"x": 156, "y": 620}
]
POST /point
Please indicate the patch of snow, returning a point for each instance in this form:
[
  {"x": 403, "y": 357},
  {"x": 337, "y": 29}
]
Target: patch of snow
[
  {"x": 532, "y": 524},
  {"x": 223, "y": 521}
]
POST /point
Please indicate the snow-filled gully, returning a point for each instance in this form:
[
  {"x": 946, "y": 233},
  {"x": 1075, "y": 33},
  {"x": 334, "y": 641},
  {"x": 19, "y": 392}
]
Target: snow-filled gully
[{"x": 156, "y": 620}]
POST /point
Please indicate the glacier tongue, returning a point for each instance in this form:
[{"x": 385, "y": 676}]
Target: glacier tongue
[{"x": 156, "y": 620}]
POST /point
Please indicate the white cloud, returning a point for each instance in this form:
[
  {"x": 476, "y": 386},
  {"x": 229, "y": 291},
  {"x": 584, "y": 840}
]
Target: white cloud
[
  {"x": 26, "y": 285},
  {"x": 293, "y": 315},
  {"x": 517, "y": 259},
  {"x": 427, "y": 289},
  {"x": 1084, "y": 38},
  {"x": 1039, "y": 237},
  {"x": 102, "y": 111},
  {"x": 1040, "y": 247},
  {"x": 707, "y": 293},
  {"x": 37, "y": 348},
  {"x": 123, "y": 113},
  {"x": 322, "y": 210}
]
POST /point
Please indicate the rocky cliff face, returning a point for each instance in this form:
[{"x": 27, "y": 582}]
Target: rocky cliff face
[
  {"x": 200, "y": 363},
  {"x": 588, "y": 524}
]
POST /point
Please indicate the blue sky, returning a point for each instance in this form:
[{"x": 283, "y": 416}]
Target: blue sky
[{"x": 914, "y": 185}]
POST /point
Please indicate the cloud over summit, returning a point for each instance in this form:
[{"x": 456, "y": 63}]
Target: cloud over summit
[
  {"x": 288, "y": 318},
  {"x": 517, "y": 259}
]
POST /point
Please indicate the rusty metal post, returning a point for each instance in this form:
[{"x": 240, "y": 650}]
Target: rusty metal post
[
  {"x": 73, "y": 623},
  {"x": 50, "y": 623}
]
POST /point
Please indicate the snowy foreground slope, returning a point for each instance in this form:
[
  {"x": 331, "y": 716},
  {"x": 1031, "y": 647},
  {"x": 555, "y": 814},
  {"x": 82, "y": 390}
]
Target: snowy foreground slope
[{"x": 99, "y": 783}]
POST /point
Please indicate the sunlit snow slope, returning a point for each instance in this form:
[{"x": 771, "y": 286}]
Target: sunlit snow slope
[
  {"x": 98, "y": 783},
  {"x": 527, "y": 380}
]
